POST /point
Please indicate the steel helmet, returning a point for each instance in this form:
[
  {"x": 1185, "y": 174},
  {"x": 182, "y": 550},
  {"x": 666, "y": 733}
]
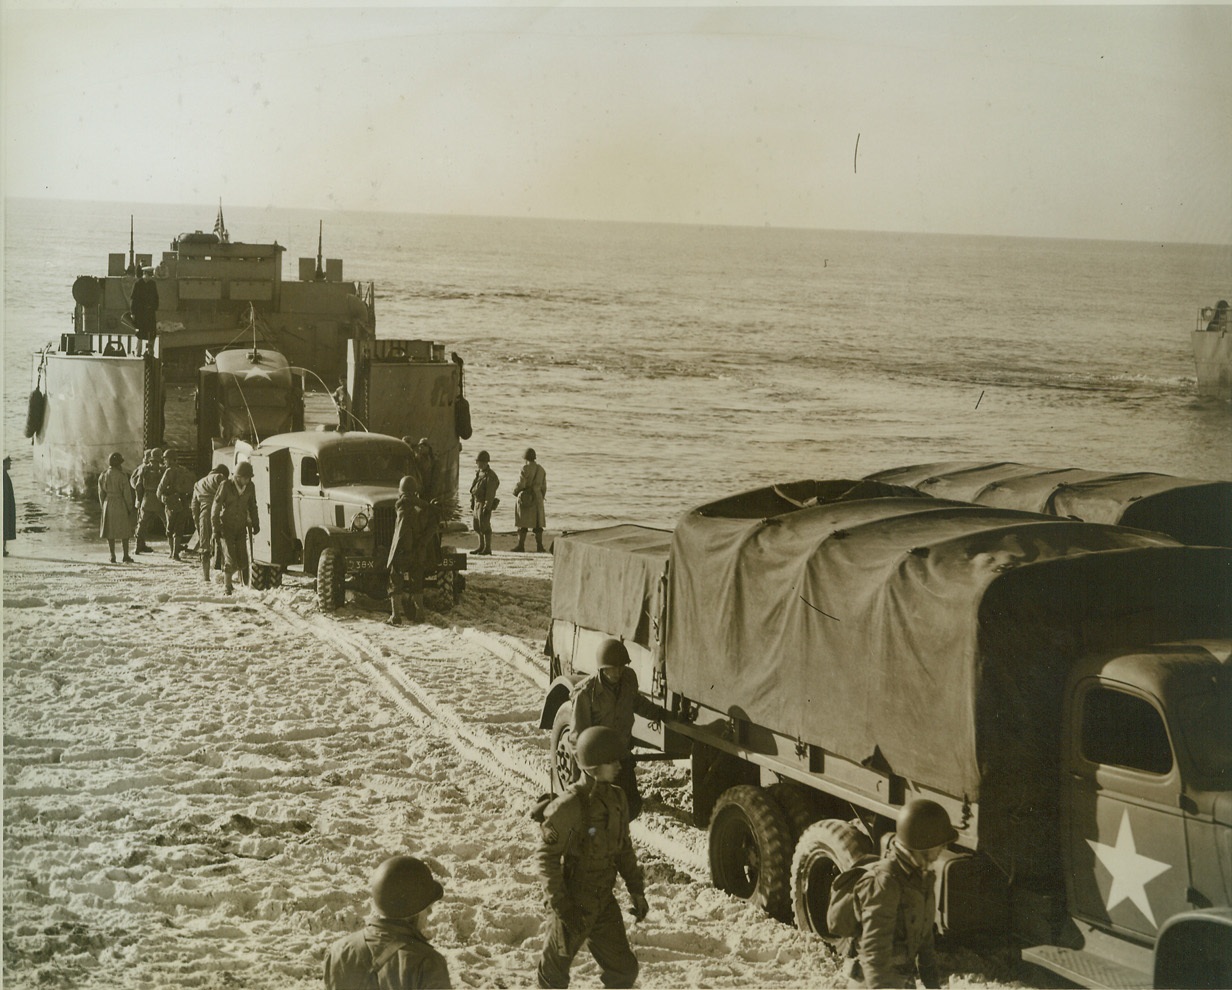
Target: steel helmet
[
  {"x": 612, "y": 653},
  {"x": 223, "y": 470},
  {"x": 528, "y": 454},
  {"x": 482, "y": 457},
  {"x": 116, "y": 459},
  {"x": 402, "y": 886},
  {"x": 407, "y": 485},
  {"x": 923, "y": 824},
  {"x": 243, "y": 468},
  {"x": 599, "y": 745}
]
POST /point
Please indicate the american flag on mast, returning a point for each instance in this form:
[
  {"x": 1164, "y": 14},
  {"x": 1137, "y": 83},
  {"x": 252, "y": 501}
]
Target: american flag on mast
[{"x": 220, "y": 228}]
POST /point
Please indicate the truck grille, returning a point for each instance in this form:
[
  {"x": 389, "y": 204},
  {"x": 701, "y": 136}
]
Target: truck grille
[{"x": 383, "y": 529}]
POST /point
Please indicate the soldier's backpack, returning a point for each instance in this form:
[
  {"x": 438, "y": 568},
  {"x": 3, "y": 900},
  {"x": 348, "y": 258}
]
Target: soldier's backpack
[{"x": 843, "y": 914}]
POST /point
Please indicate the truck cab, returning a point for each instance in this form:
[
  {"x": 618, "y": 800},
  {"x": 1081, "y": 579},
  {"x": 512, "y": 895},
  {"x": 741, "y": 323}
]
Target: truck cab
[
  {"x": 326, "y": 501},
  {"x": 1146, "y": 808}
]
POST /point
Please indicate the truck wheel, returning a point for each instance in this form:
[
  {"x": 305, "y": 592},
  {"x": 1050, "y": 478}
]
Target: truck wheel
[
  {"x": 265, "y": 576},
  {"x": 797, "y": 807},
  {"x": 824, "y": 851},
  {"x": 564, "y": 766},
  {"x": 750, "y": 850},
  {"x": 457, "y": 586},
  {"x": 331, "y": 579}
]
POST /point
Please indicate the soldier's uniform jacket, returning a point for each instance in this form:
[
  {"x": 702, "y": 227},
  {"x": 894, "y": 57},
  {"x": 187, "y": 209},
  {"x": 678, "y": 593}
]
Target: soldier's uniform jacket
[
  {"x": 415, "y": 519},
  {"x": 234, "y": 511},
  {"x": 385, "y": 954},
  {"x": 203, "y": 502},
  {"x": 597, "y": 703},
  {"x": 897, "y": 906},
  {"x": 586, "y": 844},
  {"x": 176, "y": 487},
  {"x": 145, "y": 482}
]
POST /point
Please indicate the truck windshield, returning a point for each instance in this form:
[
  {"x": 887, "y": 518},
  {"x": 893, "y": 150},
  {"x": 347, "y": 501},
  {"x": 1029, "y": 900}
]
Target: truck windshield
[
  {"x": 365, "y": 464},
  {"x": 1205, "y": 723}
]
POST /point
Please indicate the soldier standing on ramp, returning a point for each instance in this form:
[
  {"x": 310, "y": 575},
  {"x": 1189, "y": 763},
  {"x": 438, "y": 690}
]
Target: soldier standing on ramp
[{"x": 585, "y": 844}]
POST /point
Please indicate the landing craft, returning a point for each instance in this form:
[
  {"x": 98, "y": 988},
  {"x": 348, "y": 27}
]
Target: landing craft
[{"x": 105, "y": 387}]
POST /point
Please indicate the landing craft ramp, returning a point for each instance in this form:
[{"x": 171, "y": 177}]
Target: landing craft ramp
[{"x": 1187, "y": 509}]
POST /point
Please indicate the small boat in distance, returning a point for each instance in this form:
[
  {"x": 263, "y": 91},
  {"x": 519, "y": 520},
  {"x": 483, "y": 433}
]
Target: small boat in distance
[{"x": 1212, "y": 349}]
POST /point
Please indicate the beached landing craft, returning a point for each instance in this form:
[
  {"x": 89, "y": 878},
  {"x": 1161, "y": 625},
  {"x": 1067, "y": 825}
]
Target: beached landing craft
[
  {"x": 105, "y": 386},
  {"x": 1212, "y": 347}
]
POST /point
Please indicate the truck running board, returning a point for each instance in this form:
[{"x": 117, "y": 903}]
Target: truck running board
[{"x": 1086, "y": 968}]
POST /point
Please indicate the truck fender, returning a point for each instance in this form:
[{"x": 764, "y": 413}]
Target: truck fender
[
  {"x": 1194, "y": 949},
  {"x": 558, "y": 694},
  {"x": 316, "y": 540}
]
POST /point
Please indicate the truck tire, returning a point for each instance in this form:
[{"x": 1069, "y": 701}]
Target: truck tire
[
  {"x": 331, "y": 579},
  {"x": 564, "y": 767},
  {"x": 266, "y": 576},
  {"x": 825, "y": 850},
  {"x": 797, "y": 806},
  {"x": 750, "y": 850}
]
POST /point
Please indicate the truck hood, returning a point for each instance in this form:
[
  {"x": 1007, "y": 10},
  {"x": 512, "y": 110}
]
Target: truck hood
[{"x": 373, "y": 495}]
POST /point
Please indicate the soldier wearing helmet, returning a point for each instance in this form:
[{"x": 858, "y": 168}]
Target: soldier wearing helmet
[
  {"x": 585, "y": 845},
  {"x": 410, "y": 550},
  {"x": 203, "y": 510},
  {"x": 611, "y": 697},
  {"x": 484, "y": 501},
  {"x": 531, "y": 491},
  {"x": 233, "y": 517},
  {"x": 175, "y": 492},
  {"x": 896, "y": 903},
  {"x": 391, "y": 951},
  {"x": 145, "y": 481}
]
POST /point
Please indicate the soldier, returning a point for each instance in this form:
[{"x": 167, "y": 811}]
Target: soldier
[
  {"x": 585, "y": 844},
  {"x": 342, "y": 401},
  {"x": 425, "y": 464},
  {"x": 145, "y": 481},
  {"x": 531, "y": 490},
  {"x": 144, "y": 306},
  {"x": 115, "y": 497},
  {"x": 175, "y": 491},
  {"x": 483, "y": 501},
  {"x": 896, "y": 903},
  {"x": 234, "y": 516},
  {"x": 611, "y": 697},
  {"x": 203, "y": 511},
  {"x": 409, "y": 551},
  {"x": 391, "y": 952}
]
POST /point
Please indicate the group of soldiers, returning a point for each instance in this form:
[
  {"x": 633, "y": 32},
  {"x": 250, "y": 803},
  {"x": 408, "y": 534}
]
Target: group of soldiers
[
  {"x": 220, "y": 508},
  {"x": 585, "y": 846}
]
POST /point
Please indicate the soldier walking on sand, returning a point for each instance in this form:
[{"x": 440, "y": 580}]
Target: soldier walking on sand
[
  {"x": 391, "y": 952},
  {"x": 115, "y": 495},
  {"x": 483, "y": 501},
  {"x": 234, "y": 517},
  {"x": 145, "y": 483},
  {"x": 203, "y": 512},
  {"x": 528, "y": 510},
  {"x": 585, "y": 845},
  {"x": 175, "y": 492}
]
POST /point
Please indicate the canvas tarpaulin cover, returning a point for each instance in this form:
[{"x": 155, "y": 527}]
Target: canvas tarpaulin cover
[
  {"x": 608, "y": 579},
  {"x": 1187, "y": 509},
  {"x": 871, "y": 627}
]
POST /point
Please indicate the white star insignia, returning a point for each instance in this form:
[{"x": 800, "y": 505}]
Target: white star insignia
[{"x": 1130, "y": 871}]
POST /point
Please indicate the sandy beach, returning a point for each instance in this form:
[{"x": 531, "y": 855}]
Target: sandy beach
[{"x": 197, "y": 787}]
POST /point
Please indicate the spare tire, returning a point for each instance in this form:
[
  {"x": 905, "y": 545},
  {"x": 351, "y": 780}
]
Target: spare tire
[{"x": 824, "y": 851}]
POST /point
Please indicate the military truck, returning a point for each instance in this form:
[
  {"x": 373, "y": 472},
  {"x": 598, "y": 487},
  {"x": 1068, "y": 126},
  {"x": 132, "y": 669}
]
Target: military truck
[
  {"x": 1187, "y": 509},
  {"x": 326, "y": 503},
  {"x": 829, "y": 650}
]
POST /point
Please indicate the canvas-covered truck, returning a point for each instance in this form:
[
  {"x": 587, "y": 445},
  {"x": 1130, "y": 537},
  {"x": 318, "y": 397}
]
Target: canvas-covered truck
[
  {"x": 326, "y": 503},
  {"x": 1188, "y": 509},
  {"x": 829, "y": 650}
]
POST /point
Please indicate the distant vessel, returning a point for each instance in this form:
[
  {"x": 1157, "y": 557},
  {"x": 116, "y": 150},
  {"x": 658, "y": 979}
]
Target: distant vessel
[
  {"x": 1212, "y": 349},
  {"x": 104, "y": 387}
]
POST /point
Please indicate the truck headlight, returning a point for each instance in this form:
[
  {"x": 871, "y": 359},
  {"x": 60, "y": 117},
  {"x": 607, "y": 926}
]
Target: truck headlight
[{"x": 359, "y": 522}]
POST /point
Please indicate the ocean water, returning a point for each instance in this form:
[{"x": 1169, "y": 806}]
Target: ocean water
[{"x": 655, "y": 367}]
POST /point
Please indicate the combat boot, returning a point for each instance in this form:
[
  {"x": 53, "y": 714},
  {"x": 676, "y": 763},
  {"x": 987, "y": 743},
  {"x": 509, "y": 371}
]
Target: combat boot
[
  {"x": 415, "y": 607},
  {"x": 539, "y": 547},
  {"x": 521, "y": 547},
  {"x": 395, "y": 603}
]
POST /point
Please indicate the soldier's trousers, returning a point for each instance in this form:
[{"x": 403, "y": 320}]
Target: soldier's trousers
[
  {"x": 235, "y": 557},
  {"x": 604, "y": 929},
  {"x": 148, "y": 509}
]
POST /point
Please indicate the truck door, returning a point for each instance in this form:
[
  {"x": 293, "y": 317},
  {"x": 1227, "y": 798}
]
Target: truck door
[
  {"x": 310, "y": 505},
  {"x": 271, "y": 477},
  {"x": 1121, "y": 811}
]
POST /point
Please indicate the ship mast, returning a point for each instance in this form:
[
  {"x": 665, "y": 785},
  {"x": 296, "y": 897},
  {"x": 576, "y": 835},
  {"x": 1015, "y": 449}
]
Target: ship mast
[
  {"x": 320, "y": 231},
  {"x": 132, "y": 267}
]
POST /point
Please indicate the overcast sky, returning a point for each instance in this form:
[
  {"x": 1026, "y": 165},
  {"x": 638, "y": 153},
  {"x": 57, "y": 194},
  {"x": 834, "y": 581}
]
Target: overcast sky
[{"x": 1103, "y": 122}]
